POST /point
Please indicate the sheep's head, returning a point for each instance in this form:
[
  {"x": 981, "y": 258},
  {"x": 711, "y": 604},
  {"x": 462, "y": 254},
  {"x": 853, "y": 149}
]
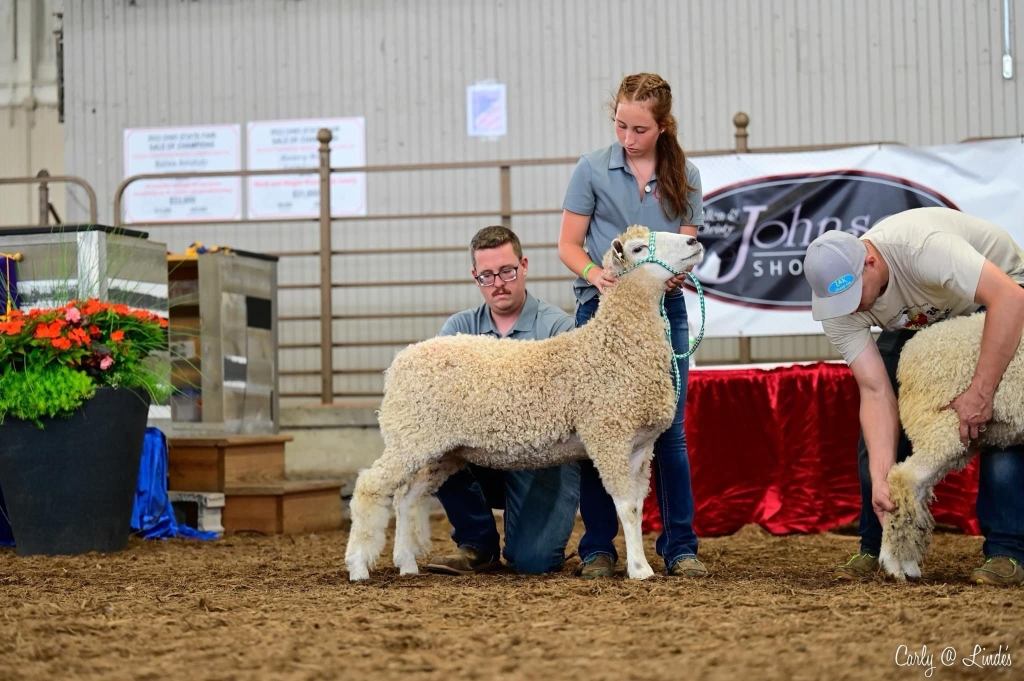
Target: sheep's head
[{"x": 678, "y": 251}]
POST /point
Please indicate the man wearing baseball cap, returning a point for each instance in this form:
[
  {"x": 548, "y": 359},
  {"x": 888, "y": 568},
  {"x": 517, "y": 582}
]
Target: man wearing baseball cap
[{"x": 910, "y": 270}]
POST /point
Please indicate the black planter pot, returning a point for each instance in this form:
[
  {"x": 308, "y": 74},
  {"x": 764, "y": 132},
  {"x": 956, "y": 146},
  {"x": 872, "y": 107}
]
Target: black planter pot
[{"x": 70, "y": 487}]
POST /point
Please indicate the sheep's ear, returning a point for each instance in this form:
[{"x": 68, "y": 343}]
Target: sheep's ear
[{"x": 618, "y": 251}]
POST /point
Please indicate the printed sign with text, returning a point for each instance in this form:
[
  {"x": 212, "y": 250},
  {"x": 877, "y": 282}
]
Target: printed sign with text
[
  {"x": 180, "y": 150},
  {"x": 276, "y": 145}
]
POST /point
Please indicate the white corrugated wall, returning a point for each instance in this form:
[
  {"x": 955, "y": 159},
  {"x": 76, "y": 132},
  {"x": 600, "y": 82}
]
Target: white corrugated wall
[
  {"x": 806, "y": 71},
  {"x": 31, "y": 136}
]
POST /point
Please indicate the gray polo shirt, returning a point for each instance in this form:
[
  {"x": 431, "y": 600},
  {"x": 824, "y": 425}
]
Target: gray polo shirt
[
  {"x": 603, "y": 186},
  {"x": 537, "y": 321}
]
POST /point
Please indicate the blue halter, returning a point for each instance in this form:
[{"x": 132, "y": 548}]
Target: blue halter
[{"x": 700, "y": 296}]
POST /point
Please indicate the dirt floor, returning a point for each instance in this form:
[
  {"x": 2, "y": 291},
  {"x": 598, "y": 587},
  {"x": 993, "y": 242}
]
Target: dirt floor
[{"x": 254, "y": 607}]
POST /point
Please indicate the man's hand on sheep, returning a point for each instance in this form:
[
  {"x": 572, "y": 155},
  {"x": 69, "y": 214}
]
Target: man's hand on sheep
[
  {"x": 601, "y": 278},
  {"x": 974, "y": 410},
  {"x": 880, "y": 499}
]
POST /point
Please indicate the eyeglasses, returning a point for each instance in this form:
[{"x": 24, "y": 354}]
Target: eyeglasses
[{"x": 505, "y": 273}]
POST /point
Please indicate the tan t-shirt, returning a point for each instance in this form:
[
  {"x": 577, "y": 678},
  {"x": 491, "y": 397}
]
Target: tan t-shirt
[{"x": 935, "y": 256}]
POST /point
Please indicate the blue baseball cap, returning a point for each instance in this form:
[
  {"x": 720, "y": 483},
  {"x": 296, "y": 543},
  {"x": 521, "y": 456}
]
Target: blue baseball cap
[{"x": 833, "y": 266}]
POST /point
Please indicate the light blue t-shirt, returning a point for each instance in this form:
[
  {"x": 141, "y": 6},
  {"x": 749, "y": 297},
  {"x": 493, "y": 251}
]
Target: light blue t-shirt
[
  {"x": 537, "y": 320},
  {"x": 603, "y": 187}
]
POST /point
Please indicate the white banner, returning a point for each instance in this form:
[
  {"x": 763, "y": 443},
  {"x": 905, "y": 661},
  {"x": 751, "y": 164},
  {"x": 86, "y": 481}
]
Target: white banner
[
  {"x": 276, "y": 145},
  {"x": 762, "y": 210},
  {"x": 181, "y": 150}
]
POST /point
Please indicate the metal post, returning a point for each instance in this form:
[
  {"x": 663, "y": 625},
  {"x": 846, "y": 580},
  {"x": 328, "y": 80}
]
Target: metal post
[
  {"x": 505, "y": 179},
  {"x": 326, "y": 278},
  {"x": 745, "y": 350},
  {"x": 44, "y": 198},
  {"x": 741, "y": 121}
]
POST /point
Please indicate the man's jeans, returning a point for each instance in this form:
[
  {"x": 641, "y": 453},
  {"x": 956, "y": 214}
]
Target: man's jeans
[
  {"x": 540, "y": 512},
  {"x": 1000, "y": 505},
  {"x": 671, "y": 467}
]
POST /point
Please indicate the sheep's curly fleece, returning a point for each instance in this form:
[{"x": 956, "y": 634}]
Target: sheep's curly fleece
[
  {"x": 936, "y": 366},
  {"x": 507, "y": 401}
]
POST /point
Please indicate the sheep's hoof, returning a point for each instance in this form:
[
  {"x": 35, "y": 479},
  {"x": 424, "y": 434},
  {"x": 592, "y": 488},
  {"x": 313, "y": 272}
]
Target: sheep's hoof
[
  {"x": 911, "y": 569},
  {"x": 358, "y": 574},
  {"x": 408, "y": 568},
  {"x": 640, "y": 571},
  {"x": 891, "y": 566}
]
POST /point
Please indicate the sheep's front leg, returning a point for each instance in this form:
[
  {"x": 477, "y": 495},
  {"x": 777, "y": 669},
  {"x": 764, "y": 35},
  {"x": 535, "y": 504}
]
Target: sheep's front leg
[
  {"x": 629, "y": 511},
  {"x": 640, "y": 472},
  {"x": 906, "y": 532},
  {"x": 620, "y": 474}
]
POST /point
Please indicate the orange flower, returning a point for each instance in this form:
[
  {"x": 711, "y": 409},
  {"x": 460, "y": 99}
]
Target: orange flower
[
  {"x": 79, "y": 336},
  {"x": 12, "y": 327},
  {"x": 49, "y": 330},
  {"x": 92, "y": 307},
  {"x": 121, "y": 309},
  {"x": 61, "y": 343},
  {"x": 94, "y": 330},
  {"x": 163, "y": 322},
  {"x": 117, "y": 336}
]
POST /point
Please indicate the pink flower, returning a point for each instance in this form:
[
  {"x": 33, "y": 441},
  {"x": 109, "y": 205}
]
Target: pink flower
[
  {"x": 73, "y": 315},
  {"x": 106, "y": 362}
]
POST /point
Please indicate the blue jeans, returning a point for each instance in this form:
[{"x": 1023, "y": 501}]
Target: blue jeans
[
  {"x": 540, "y": 512},
  {"x": 1000, "y": 504},
  {"x": 671, "y": 467}
]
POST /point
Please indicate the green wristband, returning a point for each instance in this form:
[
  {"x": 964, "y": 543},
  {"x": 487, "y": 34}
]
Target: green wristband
[{"x": 587, "y": 269}]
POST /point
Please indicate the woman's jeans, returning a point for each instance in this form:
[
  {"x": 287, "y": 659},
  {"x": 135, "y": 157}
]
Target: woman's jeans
[{"x": 671, "y": 467}]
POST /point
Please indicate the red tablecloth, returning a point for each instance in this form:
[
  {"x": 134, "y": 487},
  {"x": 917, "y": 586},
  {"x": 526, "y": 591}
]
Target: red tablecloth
[{"x": 779, "y": 448}]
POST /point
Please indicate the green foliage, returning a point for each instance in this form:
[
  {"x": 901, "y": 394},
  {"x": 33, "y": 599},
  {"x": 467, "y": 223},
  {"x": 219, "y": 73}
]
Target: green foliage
[{"x": 43, "y": 391}]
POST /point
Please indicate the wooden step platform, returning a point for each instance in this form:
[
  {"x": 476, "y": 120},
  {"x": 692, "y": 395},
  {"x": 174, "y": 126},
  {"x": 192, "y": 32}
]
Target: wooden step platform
[
  {"x": 211, "y": 464},
  {"x": 250, "y": 472},
  {"x": 286, "y": 506}
]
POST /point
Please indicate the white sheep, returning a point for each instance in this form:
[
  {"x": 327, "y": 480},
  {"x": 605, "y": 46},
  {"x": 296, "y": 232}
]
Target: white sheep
[
  {"x": 936, "y": 366},
  {"x": 603, "y": 391}
]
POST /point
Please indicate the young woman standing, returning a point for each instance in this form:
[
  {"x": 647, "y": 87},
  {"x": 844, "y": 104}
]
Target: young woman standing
[{"x": 643, "y": 178}]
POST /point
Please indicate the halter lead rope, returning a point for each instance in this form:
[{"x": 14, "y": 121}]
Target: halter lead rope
[{"x": 664, "y": 315}]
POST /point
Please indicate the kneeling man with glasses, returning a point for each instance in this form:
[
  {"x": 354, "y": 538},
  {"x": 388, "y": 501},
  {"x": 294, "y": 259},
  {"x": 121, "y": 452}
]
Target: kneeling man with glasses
[{"x": 539, "y": 505}]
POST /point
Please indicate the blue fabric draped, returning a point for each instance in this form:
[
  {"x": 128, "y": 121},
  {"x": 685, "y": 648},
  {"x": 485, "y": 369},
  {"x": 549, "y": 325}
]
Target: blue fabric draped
[
  {"x": 8, "y": 286},
  {"x": 153, "y": 515}
]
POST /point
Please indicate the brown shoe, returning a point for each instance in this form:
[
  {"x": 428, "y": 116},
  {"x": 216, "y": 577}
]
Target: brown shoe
[
  {"x": 999, "y": 571},
  {"x": 688, "y": 567},
  {"x": 861, "y": 568},
  {"x": 467, "y": 561},
  {"x": 600, "y": 565}
]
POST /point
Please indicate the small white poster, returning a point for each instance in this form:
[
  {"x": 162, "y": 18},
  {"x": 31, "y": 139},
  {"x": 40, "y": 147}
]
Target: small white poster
[
  {"x": 179, "y": 150},
  {"x": 274, "y": 145},
  {"x": 486, "y": 110}
]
